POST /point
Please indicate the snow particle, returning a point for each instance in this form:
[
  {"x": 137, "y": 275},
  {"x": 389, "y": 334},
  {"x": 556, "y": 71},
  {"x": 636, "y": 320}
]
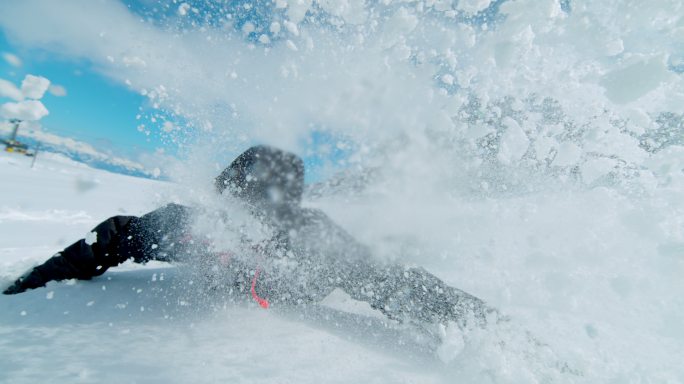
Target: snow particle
[
  {"x": 448, "y": 79},
  {"x": 473, "y": 6},
  {"x": 50, "y": 295},
  {"x": 248, "y": 28},
  {"x": 568, "y": 154},
  {"x": 183, "y": 9},
  {"x": 23, "y": 313},
  {"x": 168, "y": 127},
  {"x": 514, "y": 142},
  {"x": 291, "y": 27},
  {"x": 91, "y": 238},
  {"x": 291, "y": 45},
  {"x": 264, "y": 39}
]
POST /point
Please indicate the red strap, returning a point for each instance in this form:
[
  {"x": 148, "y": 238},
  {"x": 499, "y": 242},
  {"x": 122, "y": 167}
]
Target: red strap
[{"x": 263, "y": 303}]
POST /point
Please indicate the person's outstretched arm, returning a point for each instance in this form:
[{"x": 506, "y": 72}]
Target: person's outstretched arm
[{"x": 112, "y": 242}]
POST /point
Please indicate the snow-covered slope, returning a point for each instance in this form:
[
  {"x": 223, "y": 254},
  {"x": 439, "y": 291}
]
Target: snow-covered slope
[
  {"x": 37, "y": 138},
  {"x": 141, "y": 323},
  {"x": 589, "y": 278}
]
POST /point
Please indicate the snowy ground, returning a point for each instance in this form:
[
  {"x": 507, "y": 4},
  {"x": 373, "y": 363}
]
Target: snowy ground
[
  {"x": 601, "y": 291},
  {"x": 135, "y": 324}
]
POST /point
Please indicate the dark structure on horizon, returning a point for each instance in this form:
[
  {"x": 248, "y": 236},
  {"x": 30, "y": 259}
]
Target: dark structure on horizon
[{"x": 11, "y": 144}]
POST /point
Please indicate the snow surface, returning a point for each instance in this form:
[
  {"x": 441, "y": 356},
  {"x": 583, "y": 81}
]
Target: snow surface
[
  {"x": 140, "y": 323},
  {"x": 599, "y": 295}
]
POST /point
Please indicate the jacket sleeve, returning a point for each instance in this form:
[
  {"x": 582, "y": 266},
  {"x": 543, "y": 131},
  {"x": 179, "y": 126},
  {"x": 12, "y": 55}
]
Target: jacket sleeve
[{"x": 112, "y": 242}]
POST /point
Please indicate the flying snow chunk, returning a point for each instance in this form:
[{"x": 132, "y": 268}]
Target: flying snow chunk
[
  {"x": 34, "y": 87},
  {"x": 91, "y": 238},
  {"x": 12, "y": 59},
  {"x": 402, "y": 23},
  {"x": 630, "y": 83},
  {"x": 263, "y": 39},
  {"x": 568, "y": 154},
  {"x": 183, "y": 9},
  {"x": 514, "y": 142},
  {"x": 134, "y": 61},
  {"x": 351, "y": 11},
  {"x": 473, "y": 6},
  {"x": 27, "y": 110},
  {"x": 248, "y": 28},
  {"x": 595, "y": 168},
  {"x": 296, "y": 9},
  {"x": 291, "y": 27},
  {"x": 453, "y": 343},
  {"x": 9, "y": 90},
  {"x": 168, "y": 127},
  {"x": 291, "y": 45}
]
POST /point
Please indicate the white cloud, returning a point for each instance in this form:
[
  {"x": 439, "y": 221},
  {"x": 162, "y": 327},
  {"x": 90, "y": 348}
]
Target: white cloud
[
  {"x": 28, "y": 110},
  {"x": 57, "y": 90},
  {"x": 34, "y": 87},
  {"x": 12, "y": 59},
  {"x": 7, "y": 89}
]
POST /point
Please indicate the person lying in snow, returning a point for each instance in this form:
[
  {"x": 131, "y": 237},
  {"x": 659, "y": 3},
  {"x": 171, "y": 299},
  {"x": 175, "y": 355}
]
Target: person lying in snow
[{"x": 305, "y": 259}]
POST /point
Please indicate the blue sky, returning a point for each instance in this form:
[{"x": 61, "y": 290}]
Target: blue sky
[
  {"x": 99, "y": 108},
  {"x": 95, "y": 109}
]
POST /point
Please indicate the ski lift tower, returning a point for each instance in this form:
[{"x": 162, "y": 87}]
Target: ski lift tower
[
  {"x": 11, "y": 144},
  {"x": 16, "y": 123}
]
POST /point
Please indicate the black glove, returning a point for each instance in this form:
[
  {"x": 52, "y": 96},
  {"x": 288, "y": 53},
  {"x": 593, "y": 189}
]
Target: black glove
[{"x": 33, "y": 279}]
